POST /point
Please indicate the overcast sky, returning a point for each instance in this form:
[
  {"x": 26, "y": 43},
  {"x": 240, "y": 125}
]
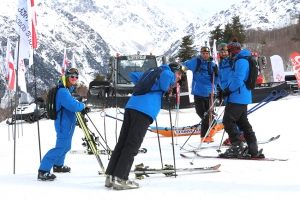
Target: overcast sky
[{"x": 200, "y": 7}]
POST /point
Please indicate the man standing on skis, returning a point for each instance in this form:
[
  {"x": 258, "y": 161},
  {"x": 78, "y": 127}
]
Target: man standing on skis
[
  {"x": 140, "y": 112},
  {"x": 225, "y": 67},
  {"x": 204, "y": 70},
  {"x": 236, "y": 108}
]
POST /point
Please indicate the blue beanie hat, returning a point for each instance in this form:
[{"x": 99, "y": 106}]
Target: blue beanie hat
[{"x": 222, "y": 46}]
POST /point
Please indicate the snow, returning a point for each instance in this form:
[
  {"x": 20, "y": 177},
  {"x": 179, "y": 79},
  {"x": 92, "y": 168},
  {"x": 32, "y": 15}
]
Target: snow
[{"x": 236, "y": 179}]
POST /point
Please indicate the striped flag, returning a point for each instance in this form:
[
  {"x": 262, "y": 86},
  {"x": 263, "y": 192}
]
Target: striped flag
[{"x": 10, "y": 68}]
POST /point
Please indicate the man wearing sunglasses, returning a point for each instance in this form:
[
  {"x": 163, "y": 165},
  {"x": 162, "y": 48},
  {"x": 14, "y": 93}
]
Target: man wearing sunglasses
[
  {"x": 65, "y": 123},
  {"x": 140, "y": 112},
  {"x": 236, "y": 108},
  {"x": 203, "y": 69}
]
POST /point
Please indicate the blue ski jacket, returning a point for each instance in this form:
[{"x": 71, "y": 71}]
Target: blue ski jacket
[
  {"x": 225, "y": 67},
  {"x": 66, "y": 118},
  {"x": 150, "y": 103},
  {"x": 239, "y": 93},
  {"x": 202, "y": 79}
]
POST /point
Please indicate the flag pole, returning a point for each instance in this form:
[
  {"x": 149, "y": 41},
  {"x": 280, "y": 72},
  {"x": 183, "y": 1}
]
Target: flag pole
[
  {"x": 36, "y": 107},
  {"x": 16, "y": 93}
]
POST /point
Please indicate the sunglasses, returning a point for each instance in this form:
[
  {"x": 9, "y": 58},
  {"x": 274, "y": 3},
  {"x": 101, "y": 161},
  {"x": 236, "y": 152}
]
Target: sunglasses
[
  {"x": 73, "y": 70},
  {"x": 74, "y": 76},
  {"x": 205, "y": 49},
  {"x": 221, "y": 48}
]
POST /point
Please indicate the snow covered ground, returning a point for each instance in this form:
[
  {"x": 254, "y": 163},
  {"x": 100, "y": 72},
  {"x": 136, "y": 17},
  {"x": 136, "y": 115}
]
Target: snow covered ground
[{"x": 236, "y": 179}]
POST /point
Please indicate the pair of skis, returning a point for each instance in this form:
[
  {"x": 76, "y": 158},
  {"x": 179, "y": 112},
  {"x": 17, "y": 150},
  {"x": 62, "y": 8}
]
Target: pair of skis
[
  {"x": 140, "y": 170},
  {"x": 226, "y": 146},
  {"x": 242, "y": 158},
  {"x": 101, "y": 152}
]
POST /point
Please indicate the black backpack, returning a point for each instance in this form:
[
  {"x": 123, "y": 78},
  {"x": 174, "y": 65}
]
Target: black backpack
[
  {"x": 147, "y": 80},
  {"x": 198, "y": 68},
  {"x": 50, "y": 104},
  {"x": 253, "y": 72}
]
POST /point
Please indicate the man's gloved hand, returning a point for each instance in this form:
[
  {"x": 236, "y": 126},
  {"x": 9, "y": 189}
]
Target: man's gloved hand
[
  {"x": 222, "y": 94},
  {"x": 85, "y": 110},
  {"x": 216, "y": 71}
]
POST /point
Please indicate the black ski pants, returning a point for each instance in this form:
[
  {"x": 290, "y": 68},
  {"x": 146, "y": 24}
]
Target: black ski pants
[
  {"x": 236, "y": 115},
  {"x": 202, "y": 106},
  {"x": 133, "y": 131}
]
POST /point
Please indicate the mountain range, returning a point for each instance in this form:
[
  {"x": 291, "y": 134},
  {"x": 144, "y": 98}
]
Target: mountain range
[{"x": 95, "y": 30}]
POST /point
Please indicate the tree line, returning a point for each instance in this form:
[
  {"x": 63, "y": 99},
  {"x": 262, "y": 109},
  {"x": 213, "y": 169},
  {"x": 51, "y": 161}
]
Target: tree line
[{"x": 278, "y": 41}]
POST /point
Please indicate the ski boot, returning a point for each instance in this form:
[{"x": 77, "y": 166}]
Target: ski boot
[
  {"x": 45, "y": 176},
  {"x": 120, "y": 184},
  {"x": 109, "y": 180},
  {"x": 61, "y": 169},
  {"x": 236, "y": 150},
  {"x": 226, "y": 142},
  {"x": 208, "y": 139},
  {"x": 253, "y": 152}
]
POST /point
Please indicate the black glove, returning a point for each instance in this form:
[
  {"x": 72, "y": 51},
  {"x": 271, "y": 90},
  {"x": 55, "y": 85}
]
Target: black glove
[
  {"x": 223, "y": 93},
  {"x": 85, "y": 110},
  {"x": 216, "y": 71}
]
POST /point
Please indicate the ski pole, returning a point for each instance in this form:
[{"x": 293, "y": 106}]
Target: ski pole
[
  {"x": 159, "y": 146},
  {"x": 218, "y": 150},
  {"x": 168, "y": 99},
  {"x": 97, "y": 130},
  {"x": 213, "y": 123},
  {"x": 205, "y": 114}
]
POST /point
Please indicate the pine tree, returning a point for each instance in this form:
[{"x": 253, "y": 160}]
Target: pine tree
[
  {"x": 238, "y": 29},
  {"x": 99, "y": 77},
  {"x": 216, "y": 34},
  {"x": 186, "y": 50},
  {"x": 227, "y": 33}
]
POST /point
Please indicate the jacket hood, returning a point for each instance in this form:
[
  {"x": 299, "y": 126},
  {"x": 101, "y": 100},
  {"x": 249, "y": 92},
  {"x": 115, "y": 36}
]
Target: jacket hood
[
  {"x": 243, "y": 53},
  {"x": 165, "y": 67}
]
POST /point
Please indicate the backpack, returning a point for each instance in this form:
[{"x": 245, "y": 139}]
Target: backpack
[
  {"x": 147, "y": 80},
  {"x": 253, "y": 72},
  {"x": 50, "y": 103}
]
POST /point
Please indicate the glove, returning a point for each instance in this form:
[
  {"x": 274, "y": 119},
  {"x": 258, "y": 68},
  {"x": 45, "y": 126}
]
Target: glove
[
  {"x": 223, "y": 93},
  {"x": 216, "y": 71},
  {"x": 85, "y": 110}
]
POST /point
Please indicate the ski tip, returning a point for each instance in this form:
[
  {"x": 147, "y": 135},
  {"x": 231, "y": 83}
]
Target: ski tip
[
  {"x": 278, "y": 136},
  {"x": 217, "y": 167}
]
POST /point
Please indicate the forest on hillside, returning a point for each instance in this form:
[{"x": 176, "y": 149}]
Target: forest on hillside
[{"x": 282, "y": 42}]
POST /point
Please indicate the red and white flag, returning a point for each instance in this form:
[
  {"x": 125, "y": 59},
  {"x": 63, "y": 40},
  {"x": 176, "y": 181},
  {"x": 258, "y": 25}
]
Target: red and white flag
[
  {"x": 26, "y": 28},
  {"x": 277, "y": 68},
  {"x": 10, "y": 68},
  {"x": 215, "y": 52},
  {"x": 295, "y": 58},
  {"x": 65, "y": 63},
  {"x": 21, "y": 72}
]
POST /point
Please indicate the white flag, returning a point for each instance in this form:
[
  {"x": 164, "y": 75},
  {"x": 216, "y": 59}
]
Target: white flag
[
  {"x": 25, "y": 27},
  {"x": 278, "y": 69},
  {"x": 73, "y": 61}
]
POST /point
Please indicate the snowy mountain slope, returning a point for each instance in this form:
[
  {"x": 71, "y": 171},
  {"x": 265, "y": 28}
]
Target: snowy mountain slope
[{"x": 94, "y": 30}]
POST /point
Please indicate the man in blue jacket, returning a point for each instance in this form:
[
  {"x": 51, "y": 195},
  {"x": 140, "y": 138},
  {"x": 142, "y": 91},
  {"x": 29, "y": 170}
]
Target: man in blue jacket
[
  {"x": 203, "y": 68},
  {"x": 236, "y": 108},
  {"x": 65, "y": 123},
  {"x": 140, "y": 112}
]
